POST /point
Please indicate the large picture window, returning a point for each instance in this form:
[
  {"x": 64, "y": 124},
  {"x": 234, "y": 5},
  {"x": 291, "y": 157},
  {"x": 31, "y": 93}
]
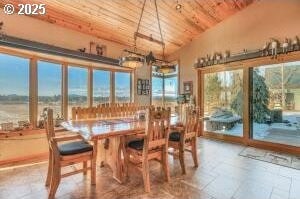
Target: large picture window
[
  {"x": 157, "y": 91},
  {"x": 14, "y": 89},
  {"x": 223, "y": 102},
  {"x": 49, "y": 87},
  {"x": 77, "y": 87},
  {"x": 275, "y": 103},
  {"x": 122, "y": 87},
  {"x": 101, "y": 87},
  {"x": 165, "y": 88},
  {"x": 171, "y": 91}
]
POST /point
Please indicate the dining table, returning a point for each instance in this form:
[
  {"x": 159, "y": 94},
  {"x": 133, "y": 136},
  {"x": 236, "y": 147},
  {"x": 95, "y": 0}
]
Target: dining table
[{"x": 109, "y": 136}]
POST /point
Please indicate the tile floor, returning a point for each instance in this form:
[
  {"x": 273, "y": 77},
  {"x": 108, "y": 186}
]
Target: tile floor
[{"x": 222, "y": 174}]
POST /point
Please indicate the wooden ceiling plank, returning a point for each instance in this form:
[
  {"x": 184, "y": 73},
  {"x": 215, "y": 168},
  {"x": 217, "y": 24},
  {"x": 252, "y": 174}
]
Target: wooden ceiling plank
[{"x": 156, "y": 35}]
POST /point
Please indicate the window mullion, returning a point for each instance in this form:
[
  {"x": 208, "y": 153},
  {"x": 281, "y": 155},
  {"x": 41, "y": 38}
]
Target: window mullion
[{"x": 33, "y": 92}]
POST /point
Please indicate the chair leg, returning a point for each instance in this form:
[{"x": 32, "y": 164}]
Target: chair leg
[
  {"x": 181, "y": 158},
  {"x": 50, "y": 166},
  {"x": 56, "y": 176},
  {"x": 146, "y": 176},
  {"x": 166, "y": 164},
  {"x": 94, "y": 163},
  {"x": 84, "y": 165},
  {"x": 93, "y": 171},
  {"x": 194, "y": 151}
]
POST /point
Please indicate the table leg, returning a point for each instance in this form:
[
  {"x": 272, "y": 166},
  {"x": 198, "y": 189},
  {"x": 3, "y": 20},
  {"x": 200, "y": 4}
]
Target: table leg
[{"x": 110, "y": 154}]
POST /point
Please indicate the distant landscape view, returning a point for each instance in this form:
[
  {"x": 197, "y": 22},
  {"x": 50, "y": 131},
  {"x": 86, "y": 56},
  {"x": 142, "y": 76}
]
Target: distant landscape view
[{"x": 14, "y": 89}]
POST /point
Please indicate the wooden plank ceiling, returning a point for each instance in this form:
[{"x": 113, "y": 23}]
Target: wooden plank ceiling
[{"x": 116, "y": 20}]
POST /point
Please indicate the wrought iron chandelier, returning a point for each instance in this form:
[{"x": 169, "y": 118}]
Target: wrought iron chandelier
[
  {"x": 164, "y": 66},
  {"x": 135, "y": 60}
]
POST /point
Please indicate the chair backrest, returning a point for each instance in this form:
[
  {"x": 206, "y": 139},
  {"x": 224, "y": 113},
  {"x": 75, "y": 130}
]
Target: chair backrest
[
  {"x": 157, "y": 127},
  {"x": 106, "y": 111},
  {"x": 191, "y": 120},
  {"x": 48, "y": 123}
]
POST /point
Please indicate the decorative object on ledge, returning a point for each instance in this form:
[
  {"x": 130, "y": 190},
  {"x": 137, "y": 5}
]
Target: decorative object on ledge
[
  {"x": 143, "y": 87},
  {"x": 1, "y": 29},
  {"x": 271, "y": 48},
  {"x": 82, "y": 50},
  {"x": 8, "y": 126},
  {"x": 97, "y": 49},
  {"x": 23, "y": 124},
  {"x": 14, "y": 42},
  {"x": 58, "y": 120},
  {"x": 296, "y": 44}
]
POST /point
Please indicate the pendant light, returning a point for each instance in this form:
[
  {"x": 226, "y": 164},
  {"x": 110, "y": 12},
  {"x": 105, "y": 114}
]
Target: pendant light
[
  {"x": 164, "y": 67},
  {"x": 133, "y": 59}
]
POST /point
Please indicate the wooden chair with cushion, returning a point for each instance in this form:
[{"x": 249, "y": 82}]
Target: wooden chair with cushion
[
  {"x": 65, "y": 151},
  {"x": 186, "y": 135},
  {"x": 153, "y": 145}
]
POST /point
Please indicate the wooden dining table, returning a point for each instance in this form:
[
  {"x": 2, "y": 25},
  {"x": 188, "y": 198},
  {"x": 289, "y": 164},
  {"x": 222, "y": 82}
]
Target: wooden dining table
[{"x": 108, "y": 136}]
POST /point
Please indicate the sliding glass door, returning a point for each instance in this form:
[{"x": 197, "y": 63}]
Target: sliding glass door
[
  {"x": 254, "y": 104},
  {"x": 223, "y": 102},
  {"x": 275, "y": 103}
]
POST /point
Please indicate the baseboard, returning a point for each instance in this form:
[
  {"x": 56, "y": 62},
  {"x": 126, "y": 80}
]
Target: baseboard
[{"x": 24, "y": 160}]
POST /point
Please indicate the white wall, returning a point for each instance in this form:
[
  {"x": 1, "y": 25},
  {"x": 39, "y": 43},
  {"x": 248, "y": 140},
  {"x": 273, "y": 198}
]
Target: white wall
[{"x": 249, "y": 28}]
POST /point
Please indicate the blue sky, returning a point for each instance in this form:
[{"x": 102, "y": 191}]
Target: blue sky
[
  {"x": 14, "y": 75},
  {"x": 14, "y": 79}
]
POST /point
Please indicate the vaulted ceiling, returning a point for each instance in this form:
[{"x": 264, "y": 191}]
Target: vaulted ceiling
[{"x": 116, "y": 20}]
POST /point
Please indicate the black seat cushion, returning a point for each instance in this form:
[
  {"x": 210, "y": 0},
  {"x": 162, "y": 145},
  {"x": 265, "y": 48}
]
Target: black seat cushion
[
  {"x": 74, "y": 148},
  {"x": 174, "y": 136},
  {"x": 136, "y": 144}
]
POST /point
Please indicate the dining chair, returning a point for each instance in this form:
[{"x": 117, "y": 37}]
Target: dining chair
[
  {"x": 65, "y": 151},
  {"x": 152, "y": 145},
  {"x": 185, "y": 135}
]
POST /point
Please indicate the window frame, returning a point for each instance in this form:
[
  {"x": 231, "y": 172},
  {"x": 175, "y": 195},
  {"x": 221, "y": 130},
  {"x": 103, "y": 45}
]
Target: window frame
[
  {"x": 246, "y": 65},
  {"x": 33, "y": 80}
]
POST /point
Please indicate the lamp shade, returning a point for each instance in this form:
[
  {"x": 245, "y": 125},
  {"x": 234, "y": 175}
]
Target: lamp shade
[
  {"x": 132, "y": 61},
  {"x": 166, "y": 68}
]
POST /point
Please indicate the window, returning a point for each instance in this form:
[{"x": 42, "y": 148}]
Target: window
[
  {"x": 275, "y": 103},
  {"x": 171, "y": 91},
  {"x": 101, "y": 87},
  {"x": 122, "y": 87},
  {"x": 223, "y": 102},
  {"x": 14, "y": 89},
  {"x": 77, "y": 87},
  {"x": 49, "y": 87},
  {"x": 165, "y": 88},
  {"x": 157, "y": 91}
]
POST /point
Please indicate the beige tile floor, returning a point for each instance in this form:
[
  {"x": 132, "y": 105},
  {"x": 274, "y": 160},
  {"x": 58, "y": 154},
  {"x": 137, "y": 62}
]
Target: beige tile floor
[{"x": 222, "y": 174}]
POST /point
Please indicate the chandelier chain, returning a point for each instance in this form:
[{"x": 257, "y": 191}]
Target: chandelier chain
[
  {"x": 139, "y": 23},
  {"x": 160, "y": 32}
]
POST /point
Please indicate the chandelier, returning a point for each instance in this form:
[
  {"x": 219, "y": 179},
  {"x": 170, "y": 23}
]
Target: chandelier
[
  {"x": 133, "y": 60},
  {"x": 165, "y": 66}
]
